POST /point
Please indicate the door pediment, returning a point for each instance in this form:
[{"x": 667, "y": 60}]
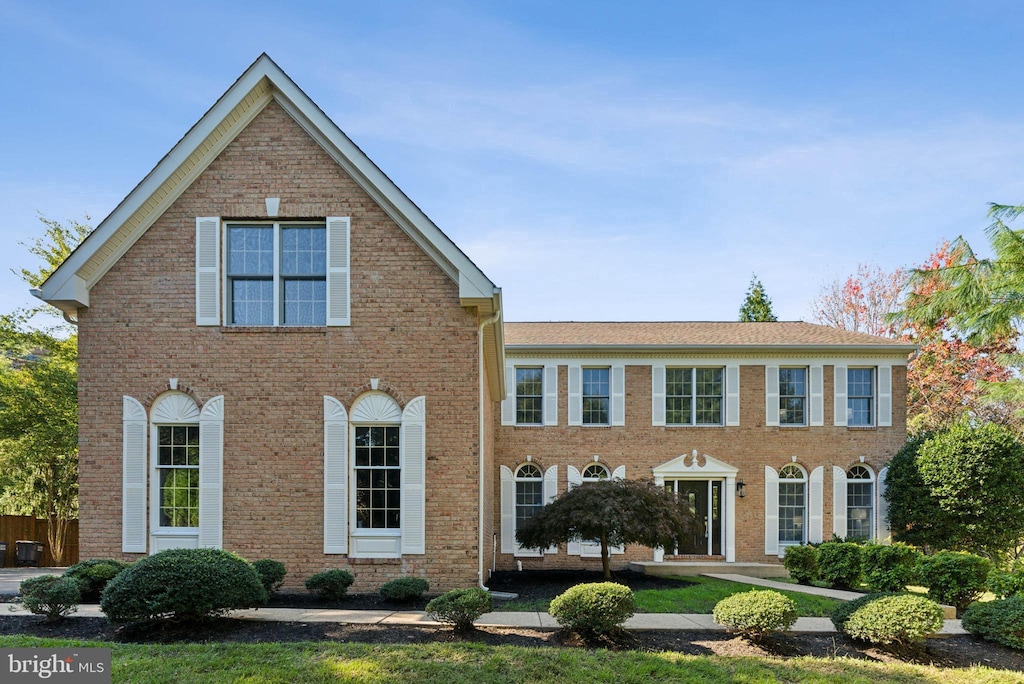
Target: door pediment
[{"x": 694, "y": 465}]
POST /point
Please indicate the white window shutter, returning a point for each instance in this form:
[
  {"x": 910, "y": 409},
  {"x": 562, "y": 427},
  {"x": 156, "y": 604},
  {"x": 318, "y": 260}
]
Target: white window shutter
[
  {"x": 618, "y": 378},
  {"x": 574, "y": 479},
  {"x": 883, "y": 532},
  {"x": 658, "y": 395},
  {"x": 771, "y": 511},
  {"x": 508, "y": 404},
  {"x": 839, "y": 498},
  {"x": 508, "y": 511},
  {"x": 771, "y": 396},
  {"x": 414, "y": 477},
  {"x": 840, "y": 407},
  {"x": 211, "y": 474},
  {"x": 618, "y": 474},
  {"x": 550, "y": 494},
  {"x": 575, "y": 395},
  {"x": 338, "y": 281},
  {"x": 885, "y": 396},
  {"x": 732, "y": 394},
  {"x": 208, "y": 270},
  {"x": 335, "y": 477},
  {"x": 815, "y": 504},
  {"x": 551, "y": 395},
  {"x": 133, "y": 476},
  {"x": 817, "y": 395}
]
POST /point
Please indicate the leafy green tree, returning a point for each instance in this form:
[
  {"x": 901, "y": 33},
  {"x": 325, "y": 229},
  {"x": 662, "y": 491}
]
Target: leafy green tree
[
  {"x": 614, "y": 512},
  {"x": 757, "y": 307},
  {"x": 962, "y": 489}
]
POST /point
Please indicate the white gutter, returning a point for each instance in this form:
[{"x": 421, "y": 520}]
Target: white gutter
[{"x": 480, "y": 413}]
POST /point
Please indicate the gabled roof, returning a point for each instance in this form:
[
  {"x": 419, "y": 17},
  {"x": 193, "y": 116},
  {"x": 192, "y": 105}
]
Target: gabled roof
[
  {"x": 263, "y": 82},
  {"x": 700, "y": 335}
]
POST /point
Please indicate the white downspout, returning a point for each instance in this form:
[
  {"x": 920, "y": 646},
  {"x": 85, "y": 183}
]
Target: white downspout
[{"x": 480, "y": 412}]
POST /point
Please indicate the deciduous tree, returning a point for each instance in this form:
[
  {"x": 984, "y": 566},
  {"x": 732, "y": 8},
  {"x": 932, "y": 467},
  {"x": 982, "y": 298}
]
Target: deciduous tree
[{"x": 864, "y": 302}]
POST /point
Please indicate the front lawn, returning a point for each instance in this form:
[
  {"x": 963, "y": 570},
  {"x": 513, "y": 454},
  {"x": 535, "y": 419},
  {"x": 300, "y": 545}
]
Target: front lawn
[{"x": 464, "y": 662}]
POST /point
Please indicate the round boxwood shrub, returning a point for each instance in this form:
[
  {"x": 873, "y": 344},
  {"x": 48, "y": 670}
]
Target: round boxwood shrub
[
  {"x": 956, "y": 578},
  {"x": 330, "y": 585},
  {"x": 1001, "y": 621},
  {"x": 460, "y": 607},
  {"x": 182, "y": 584},
  {"x": 756, "y": 613},
  {"x": 802, "y": 563},
  {"x": 895, "y": 620},
  {"x": 92, "y": 576},
  {"x": 889, "y": 567},
  {"x": 50, "y": 595},
  {"x": 593, "y": 608},
  {"x": 845, "y": 609},
  {"x": 271, "y": 574},
  {"x": 404, "y": 589},
  {"x": 839, "y": 564}
]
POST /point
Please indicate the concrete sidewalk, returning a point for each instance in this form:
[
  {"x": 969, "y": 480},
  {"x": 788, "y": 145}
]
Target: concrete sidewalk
[{"x": 528, "y": 620}]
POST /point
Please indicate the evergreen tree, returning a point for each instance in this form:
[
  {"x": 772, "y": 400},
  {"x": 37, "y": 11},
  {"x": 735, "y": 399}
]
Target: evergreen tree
[{"x": 757, "y": 307}]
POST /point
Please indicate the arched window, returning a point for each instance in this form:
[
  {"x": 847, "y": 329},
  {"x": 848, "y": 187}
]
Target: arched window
[
  {"x": 595, "y": 472},
  {"x": 529, "y": 492},
  {"x": 792, "y": 505},
  {"x": 860, "y": 497},
  {"x": 175, "y": 421}
]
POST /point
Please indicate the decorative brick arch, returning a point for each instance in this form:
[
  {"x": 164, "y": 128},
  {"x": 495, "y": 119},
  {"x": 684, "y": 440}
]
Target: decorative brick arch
[
  {"x": 179, "y": 386},
  {"x": 382, "y": 386}
]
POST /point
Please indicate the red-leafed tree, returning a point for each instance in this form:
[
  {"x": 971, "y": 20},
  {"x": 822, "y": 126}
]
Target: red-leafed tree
[{"x": 864, "y": 302}]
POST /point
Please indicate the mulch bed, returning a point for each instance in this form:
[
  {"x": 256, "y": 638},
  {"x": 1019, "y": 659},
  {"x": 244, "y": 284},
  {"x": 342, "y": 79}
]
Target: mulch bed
[{"x": 948, "y": 652}]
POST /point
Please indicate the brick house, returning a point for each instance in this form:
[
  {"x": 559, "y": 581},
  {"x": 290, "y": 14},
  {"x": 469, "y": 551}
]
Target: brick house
[{"x": 282, "y": 356}]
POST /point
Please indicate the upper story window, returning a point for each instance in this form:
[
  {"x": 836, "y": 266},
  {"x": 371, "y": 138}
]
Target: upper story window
[
  {"x": 793, "y": 396},
  {"x": 277, "y": 274},
  {"x": 378, "y": 477},
  {"x": 792, "y": 504},
  {"x": 529, "y": 396},
  {"x": 860, "y": 497},
  {"x": 693, "y": 396},
  {"x": 860, "y": 398},
  {"x": 596, "y": 396}
]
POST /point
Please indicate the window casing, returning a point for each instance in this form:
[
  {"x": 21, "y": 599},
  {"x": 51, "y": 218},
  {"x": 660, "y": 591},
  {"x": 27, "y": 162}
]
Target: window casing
[
  {"x": 860, "y": 498},
  {"x": 596, "y": 396},
  {"x": 529, "y": 492},
  {"x": 178, "y": 472},
  {"x": 378, "y": 475},
  {"x": 529, "y": 396},
  {"x": 792, "y": 505},
  {"x": 860, "y": 397},
  {"x": 276, "y": 274},
  {"x": 694, "y": 396},
  {"x": 792, "y": 396}
]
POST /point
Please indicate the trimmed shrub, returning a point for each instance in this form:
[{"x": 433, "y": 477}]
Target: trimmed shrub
[
  {"x": 889, "y": 567},
  {"x": 50, "y": 595},
  {"x": 593, "y": 608},
  {"x": 845, "y": 609},
  {"x": 802, "y": 563},
  {"x": 1007, "y": 583},
  {"x": 271, "y": 574},
  {"x": 1001, "y": 621},
  {"x": 92, "y": 576},
  {"x": 755, "y": 613},
  {"x": 404, "y": 589},
  {"x": 956, "y": 578},
  {"x": 460, "y": 607},
  {"x": 839, "y": 564},
  {"x": 182, "y": 584},
  {"x": 330, "y": 585},
  {"x": 895, "y": 620}
]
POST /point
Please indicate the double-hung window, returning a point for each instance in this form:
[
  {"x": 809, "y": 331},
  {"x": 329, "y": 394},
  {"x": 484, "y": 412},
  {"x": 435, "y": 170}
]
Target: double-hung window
[
  {"x": 860, "y": 397},
  {"x": 529, "y": 492},
  {"x": 860, "y": 497},
  {"x": 529, "y": 396},
  {"x": 693, "y": 396},
  {"x": 793, "y": 396},
  {"x": 378, "y": 477},
  {"x": 595, "y": 396},
  {"x": 792, "y": 505},
  {"x": 178, "y": 469},
  {"x": 276, "y": 273}
]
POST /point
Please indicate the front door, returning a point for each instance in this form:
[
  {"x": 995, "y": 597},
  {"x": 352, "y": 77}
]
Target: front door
[{"x": 703, "y": 499}]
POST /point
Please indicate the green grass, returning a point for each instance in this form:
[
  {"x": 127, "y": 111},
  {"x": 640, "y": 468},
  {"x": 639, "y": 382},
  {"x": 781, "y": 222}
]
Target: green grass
[
  {"x": 465, "y": 662},
  {"x": 694, "y": 595}
]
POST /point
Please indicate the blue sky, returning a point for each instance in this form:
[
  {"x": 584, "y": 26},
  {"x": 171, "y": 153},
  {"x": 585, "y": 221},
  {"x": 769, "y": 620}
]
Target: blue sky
[{"x": 598, "y": 160}]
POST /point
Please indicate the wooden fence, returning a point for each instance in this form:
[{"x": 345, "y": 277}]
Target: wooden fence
[{"x": 14, "y": 528}]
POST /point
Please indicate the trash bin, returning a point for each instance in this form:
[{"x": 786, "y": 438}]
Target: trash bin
[
  {"x": 3, "y": 554},
  {"x": 29, "y": 553}
]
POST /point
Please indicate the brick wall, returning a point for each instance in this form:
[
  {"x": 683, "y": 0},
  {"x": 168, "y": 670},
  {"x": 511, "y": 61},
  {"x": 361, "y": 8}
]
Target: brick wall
[
  {"x": 749, "y": 447},
  {"x": 408, "y": 329}
]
